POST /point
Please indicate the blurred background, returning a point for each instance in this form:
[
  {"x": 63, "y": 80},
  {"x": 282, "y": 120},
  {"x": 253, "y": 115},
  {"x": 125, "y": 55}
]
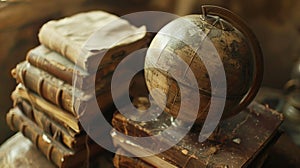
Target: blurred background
[{"x": 275, "y": 22}]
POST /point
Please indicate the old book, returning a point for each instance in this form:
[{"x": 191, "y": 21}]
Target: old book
[
  {"x": 121, "y": 161},
  {"x": 112, "y": 37},
  {"x": 66, "y": 136},
  {"x": 54, "y": 151},
  {"x": 154, "y": 161},
  {"x": 62, "y": 68},
  {"x": 57, "y": 91},
  {"x": 59, "y": 115},
  {"x": 54, "y": 112},
  {"x": 238, "y": 141}
]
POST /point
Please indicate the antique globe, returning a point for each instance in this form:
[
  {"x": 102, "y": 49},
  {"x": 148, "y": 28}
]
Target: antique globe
[{"x": 196, "y": 40}]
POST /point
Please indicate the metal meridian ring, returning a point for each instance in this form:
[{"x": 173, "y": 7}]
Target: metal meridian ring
[{"x": 239, "y": 24}]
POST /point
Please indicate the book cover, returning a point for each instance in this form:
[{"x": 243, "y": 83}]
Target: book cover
[{"x": 69, "y": 35}]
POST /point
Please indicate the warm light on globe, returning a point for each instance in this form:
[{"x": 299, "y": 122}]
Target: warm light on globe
[{"x": 192, "y": 39}]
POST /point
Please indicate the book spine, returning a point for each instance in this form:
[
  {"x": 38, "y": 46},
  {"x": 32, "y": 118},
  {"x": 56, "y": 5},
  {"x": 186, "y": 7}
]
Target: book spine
[
  {"x": 60, "y": 93},
  {"x": 56, "y": 65},
  {"x": 47, "y": 86},
  {"x": 61, "y": 133},
  {"x": 54, "y": 151},
  {"x": 49, "y": 109},
  {"x": 50, "y": 67}
]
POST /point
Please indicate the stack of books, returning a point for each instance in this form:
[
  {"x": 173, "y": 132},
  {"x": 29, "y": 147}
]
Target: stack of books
[
  {"x": 60, "y": 77},
  {"x": 240, "y": 141}
]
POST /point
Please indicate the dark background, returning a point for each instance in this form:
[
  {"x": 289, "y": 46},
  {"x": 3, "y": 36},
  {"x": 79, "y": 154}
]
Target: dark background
[{"x": 275, "y": 22}]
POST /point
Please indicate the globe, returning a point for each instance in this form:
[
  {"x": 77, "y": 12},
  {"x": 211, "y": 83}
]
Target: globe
[{"x": 198, "y": 40}]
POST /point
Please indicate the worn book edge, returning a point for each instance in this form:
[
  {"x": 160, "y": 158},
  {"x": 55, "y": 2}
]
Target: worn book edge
[
  {"x": 134, "y": 129},
  {"x": 48, "y": 108},
  {"x": 53, "y": 150},
  {"x": 64, "y": 134},
  {"x": 73, "y": 48}
]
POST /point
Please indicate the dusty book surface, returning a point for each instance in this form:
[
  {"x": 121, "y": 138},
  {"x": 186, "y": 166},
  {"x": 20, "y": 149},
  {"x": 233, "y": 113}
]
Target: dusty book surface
[
  {"x": 239, "y": 138},
  {"x": 80, "y": 37}
]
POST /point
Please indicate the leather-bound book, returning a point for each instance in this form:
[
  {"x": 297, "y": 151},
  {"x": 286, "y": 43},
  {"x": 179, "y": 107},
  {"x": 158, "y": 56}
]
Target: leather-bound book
[
  {"x": 57, "y": 91},
  {"x": 53, "y": 150},
  {"x": 63, "y": 134},
  {"x": 236, "y": 143},
  {"x": 62, "y": 68},
  {"x": 85, "y": 37},
  {"x": 121, "y": 161},
  {"x": 54, "y": 112}
]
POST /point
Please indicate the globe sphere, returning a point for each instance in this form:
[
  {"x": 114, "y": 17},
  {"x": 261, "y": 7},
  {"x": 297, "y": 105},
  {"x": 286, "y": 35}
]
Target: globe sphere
[{"x": 198, "y": 40}]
